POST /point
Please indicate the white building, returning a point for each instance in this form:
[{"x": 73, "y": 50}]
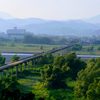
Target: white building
[{"x": 17, "y": 33}]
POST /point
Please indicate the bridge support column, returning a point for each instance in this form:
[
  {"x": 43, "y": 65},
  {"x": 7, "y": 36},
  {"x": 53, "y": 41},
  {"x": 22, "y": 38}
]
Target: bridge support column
[
  {"x": 7, "y": 72},
  {"x": 28, "y": 64},
  {"x": 20, "y": 68},
  {"x": 37, "y": 61},
  {"x": 32, "y": 63},
  {"x": 16, "y": 70},
  {"x": 12, "y": 71},
  {"x": 24, "y": 66},
  {"x": 1, "y": 74}
]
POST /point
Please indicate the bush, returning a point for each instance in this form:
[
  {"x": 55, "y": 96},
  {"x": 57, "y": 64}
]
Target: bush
[
  {"x": 77, "y": 47},
  {"x": 98, "y": 48},
  {"x": 15, "y": 58}
]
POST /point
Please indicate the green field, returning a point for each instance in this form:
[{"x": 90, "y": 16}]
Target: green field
[
  {"x": 27, "y": 48},
  {"x": 36, "y": 48}
]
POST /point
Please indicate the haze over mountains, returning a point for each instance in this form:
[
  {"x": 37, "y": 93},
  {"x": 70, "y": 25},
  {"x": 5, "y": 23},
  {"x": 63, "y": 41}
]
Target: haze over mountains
[{"x": 82, "y": 27}]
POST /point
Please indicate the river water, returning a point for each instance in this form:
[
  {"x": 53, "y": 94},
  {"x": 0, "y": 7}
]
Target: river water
[
  {"x": 21, "y": 55},
  {"x": 24, "y": 55}
]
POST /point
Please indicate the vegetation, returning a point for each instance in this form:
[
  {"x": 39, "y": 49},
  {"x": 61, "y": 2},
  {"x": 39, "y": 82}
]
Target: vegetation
[
  {"x": 15, "y": 58},
  {"x": 77, "y": 47},
  {"x": 2, "y": 60},
  {"x": 56, "y": 78},
  {"x": 90, "y": 48}
]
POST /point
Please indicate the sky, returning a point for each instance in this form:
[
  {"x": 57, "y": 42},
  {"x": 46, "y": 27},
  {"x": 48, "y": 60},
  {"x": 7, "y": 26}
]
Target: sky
[{"x": 51, "y": 9}]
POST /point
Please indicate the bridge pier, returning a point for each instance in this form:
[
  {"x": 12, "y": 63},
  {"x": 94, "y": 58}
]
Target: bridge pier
[
  {"x": 32, "y": 63},
  {"x": 33, "y": 59},
  {"x": 37, "y": 61},
  {"x": 7, "y": 71},
  {"x": 12, "y": 71},
  {"x": 24, "y": 66},
  {"x": 16, "y": 70},
  {"x": 20, "y": 68},
  {"x": 28, "y": 64},
  {"x": 1, "y": 74}
]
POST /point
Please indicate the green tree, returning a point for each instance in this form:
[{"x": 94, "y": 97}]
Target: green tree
[
  {"x": 93, "y": 92},
  {"x": 98, "y": 48},
  {"x": 44, "y": 59},
  {"x": 77, "y": 47},
  {"x": 53, "y": 76},
  {"x": 75, "y": 64},
  {"x": 15, "y": 58},
  {"x": 12, "y": 45},
  {"x": 2, "y": 60},
  {"x": 86, "y": 79},
  {"x": 90, "y": 48}
]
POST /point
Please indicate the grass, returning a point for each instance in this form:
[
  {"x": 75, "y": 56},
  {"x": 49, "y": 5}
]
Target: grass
[{"x": 25, "y": 48}]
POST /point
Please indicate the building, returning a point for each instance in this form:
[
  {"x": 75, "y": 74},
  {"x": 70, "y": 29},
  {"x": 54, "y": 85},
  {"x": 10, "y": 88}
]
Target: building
[{"x": 17, "y": 33}]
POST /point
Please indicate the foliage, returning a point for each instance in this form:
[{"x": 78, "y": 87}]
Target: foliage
[
  {"x": 9, "y": 94},
  {"x": 41, "y": 47},
  {"x": 2, "y": 60},
  {"x": 98, "y": 48},
  {"x": 70, "y": 63},
  {"x": 46, "y": 59},
  {"x": 15, "y": 58},
  {"x": 75, "y": 64},
  {"x": 9, "y": 82},
  {"x": 90, "y": 48},
  {"x": 86, "y": 79},
  {"x": 93, "y": 92},
  {"x": 12, "y": 45},
  {"x": 53, "y": 76},
  {"x": 33, "y": 39},
  {"x": 77, "y": 47}
]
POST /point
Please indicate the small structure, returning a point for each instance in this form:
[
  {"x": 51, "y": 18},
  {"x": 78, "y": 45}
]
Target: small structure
[{"x": 17, "y": 33}]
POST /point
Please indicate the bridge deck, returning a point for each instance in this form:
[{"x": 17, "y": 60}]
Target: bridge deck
[{"x": 32, "y": 57}]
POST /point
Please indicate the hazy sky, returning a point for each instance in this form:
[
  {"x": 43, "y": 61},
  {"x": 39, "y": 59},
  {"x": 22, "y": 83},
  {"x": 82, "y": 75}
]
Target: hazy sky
[{"x": 51, "y": 9}]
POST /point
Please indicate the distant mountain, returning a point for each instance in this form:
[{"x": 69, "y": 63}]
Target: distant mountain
[
  {"x": 95, "y": 19},
  {"x": 75, "y": 27},
  {"x": 27, "y": 21},
  {"x": 96, "y": 32},
  {"x": 4, "y": 25},
  {"x": 40, "y": 26},
  {"x": 6, "y": 15}
]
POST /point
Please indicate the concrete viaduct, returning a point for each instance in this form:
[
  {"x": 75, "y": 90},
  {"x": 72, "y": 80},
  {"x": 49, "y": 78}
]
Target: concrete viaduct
[{"x": 33, "y": 59}]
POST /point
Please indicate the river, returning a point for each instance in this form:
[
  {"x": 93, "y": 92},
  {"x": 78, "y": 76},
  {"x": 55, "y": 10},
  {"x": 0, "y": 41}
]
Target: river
[
  {"x": 24, "y": 55},
  {"x": 21, "y": 55}
]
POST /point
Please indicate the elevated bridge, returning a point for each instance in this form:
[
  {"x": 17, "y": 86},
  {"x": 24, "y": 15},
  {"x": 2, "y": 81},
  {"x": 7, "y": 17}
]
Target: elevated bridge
[{"x": 32, "y": 59}]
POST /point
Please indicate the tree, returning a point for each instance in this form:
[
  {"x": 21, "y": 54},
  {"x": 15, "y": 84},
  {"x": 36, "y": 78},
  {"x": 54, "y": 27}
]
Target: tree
[
  {"x": 2, "y": 60},
  {"x": 86, "y": 81},
  {"x": 53, "y": 77},
  {"x": 44, "y": 59},
  {"x": 98, "y": 48},
  {"x": 75, "y": 64},
  {"x": 15, "y": 58},
  {"x": 93, "y": 92},
  {"x": 77, "y": 47},
  {"x": 90, "y": 48},
  {"x": 12, "y": 45}
]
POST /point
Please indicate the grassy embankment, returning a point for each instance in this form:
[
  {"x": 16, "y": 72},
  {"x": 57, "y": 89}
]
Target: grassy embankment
[
  {"x": 27, "y": 48},
  {"x": 36, "y": 48}
]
